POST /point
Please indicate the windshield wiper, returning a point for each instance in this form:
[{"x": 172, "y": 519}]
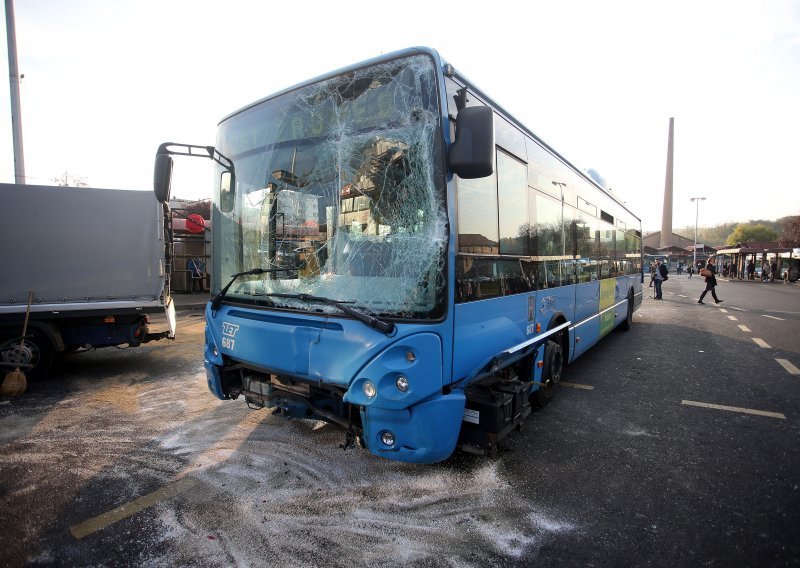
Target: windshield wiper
[
  {"x": 385, "y": 327},
  {"x": 216, "y": 299}
]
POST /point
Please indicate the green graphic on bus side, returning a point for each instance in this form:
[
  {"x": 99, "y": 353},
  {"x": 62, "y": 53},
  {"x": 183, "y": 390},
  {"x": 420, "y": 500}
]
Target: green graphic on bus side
[{"x": 607, "y": 288}]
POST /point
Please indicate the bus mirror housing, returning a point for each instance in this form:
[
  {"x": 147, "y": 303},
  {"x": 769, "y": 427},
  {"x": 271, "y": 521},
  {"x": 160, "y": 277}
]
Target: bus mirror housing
[
  {"x": 472, "y": 154},
  {"x": 162, "y": 177}
]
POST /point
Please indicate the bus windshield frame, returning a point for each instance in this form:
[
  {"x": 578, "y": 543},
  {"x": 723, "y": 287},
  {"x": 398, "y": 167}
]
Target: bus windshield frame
[{"x": 339, "y": 192}]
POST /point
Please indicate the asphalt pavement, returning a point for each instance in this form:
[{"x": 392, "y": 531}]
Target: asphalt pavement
[
  {"x": 681, "y": 446},
  {"x": 674, "y": 444}
]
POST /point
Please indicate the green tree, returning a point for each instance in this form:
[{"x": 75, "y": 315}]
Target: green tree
[
  {"x": 747, "y": 232},
  {"x": 712, "y": 236}
]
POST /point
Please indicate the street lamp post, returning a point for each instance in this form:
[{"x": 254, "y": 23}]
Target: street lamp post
[{"x": 697, "y": 201}]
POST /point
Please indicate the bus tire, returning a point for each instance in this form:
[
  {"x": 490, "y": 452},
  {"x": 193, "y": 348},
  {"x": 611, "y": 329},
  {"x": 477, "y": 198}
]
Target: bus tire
[
  {"x": 628, "y": 322},
  {"x": 551, "y": 373}
]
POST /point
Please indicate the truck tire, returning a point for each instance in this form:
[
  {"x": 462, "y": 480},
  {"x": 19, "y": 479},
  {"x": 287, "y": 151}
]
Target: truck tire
[{"x": 35, "y": 350}]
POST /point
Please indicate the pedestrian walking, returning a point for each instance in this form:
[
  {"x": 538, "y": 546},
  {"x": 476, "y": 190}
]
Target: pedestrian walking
[
  {"x": 689, "y": 271},
  {"x": 711, "y": 282}
]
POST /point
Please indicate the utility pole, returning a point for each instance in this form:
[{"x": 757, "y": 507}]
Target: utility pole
[
  {"x": 697, "y": 201},
  {"x": 16, "y": 112}
]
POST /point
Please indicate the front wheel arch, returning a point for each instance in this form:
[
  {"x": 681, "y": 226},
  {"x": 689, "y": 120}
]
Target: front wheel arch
[{"x": 627, "y": 323}]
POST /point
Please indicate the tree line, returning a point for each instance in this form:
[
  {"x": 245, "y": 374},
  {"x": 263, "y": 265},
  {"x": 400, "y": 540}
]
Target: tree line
[{"x": 785, "y": 231}]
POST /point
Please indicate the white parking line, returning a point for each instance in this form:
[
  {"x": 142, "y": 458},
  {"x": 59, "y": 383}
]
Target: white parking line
[
  {"x": 576, "y": 386},
  {"x": 732, "y": 318},
  {"x": 740, "y": 309},
  {"x": 744, "y": 328},
  {"x": 734, "y": 409},
  {"x": 682, "y": 296},
  {"x": 761, "y": 343},
  {"x": 723, "y": 310},
  {"x": 786, "y": 364},
  {"x": 773, "y": 317}
]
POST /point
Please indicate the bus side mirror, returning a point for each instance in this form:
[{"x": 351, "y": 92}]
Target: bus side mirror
[
  {"x": 226, "y": 196},
  {"x": 472, "y": 154},
  {"x": 162, "y": 177}
]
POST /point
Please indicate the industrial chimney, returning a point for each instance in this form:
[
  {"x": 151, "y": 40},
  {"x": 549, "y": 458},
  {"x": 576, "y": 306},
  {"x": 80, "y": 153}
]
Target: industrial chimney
[{"x": 666, "y": 216}]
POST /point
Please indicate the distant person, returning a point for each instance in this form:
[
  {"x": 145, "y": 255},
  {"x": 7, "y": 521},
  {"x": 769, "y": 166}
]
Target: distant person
[
  {"x": 773, "y": 271},
  {"x": 660, "y": 275},
  {"x": 689, "y": 270},
  {"x": 197, "y": 272},
  {"x": 751, "y": 270},
  {"x": 711, "y": 283}
]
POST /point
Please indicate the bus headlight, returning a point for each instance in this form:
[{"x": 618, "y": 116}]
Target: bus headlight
[
  {"x": 369, "y": 390},
  {"x": 387, "y": 438}
]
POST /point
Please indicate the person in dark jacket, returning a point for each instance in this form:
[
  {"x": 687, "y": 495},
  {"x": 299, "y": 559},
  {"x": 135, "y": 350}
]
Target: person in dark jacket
[
  {"x": 711, "y": 283},
  {"x": 660, "y": 276}
]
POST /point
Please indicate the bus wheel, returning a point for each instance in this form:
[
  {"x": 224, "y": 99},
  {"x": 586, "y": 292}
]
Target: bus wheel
[
  {"x": 551, "y": 373},
  {"x": 626, "y": 325}
]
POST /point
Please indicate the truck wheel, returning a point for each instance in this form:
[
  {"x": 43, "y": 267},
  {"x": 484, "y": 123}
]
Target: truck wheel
[
  {"x": 35, "y": 350},
  {"x": 551, "y": 373}
]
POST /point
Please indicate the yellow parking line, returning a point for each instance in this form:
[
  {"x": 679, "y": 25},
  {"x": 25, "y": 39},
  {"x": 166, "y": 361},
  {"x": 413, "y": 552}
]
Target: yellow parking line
[
  {"x": 214, "y": 455},
  {"x": 576, "y": 386},
  {"x": 100, "y": 522},
  {"x": 734, "y": 409}
]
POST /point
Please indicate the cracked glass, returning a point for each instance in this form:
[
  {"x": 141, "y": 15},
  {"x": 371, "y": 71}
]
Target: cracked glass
[{"x": 339, "y": 190}]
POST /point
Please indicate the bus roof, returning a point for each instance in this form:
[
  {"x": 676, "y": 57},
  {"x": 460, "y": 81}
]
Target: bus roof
[{"x": 450, "y": 71}]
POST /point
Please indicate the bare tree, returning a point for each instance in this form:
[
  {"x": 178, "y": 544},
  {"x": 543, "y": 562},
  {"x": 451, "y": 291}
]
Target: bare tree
[
  {"x": 791, "y": 233},
  {"x": 69, "y": 180}
]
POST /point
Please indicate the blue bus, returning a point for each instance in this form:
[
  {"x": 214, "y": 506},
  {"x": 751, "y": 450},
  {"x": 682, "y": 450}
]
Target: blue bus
[{"x": 396, "y": 254}]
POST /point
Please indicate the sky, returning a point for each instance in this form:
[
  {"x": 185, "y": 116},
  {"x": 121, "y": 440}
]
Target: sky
[{"x": 106, "y": 82}]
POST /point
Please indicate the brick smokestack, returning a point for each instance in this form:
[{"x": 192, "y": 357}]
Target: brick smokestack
[{"x": 666, "y": 216}]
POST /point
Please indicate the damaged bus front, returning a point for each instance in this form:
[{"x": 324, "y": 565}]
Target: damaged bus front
[{"x": 331, "y": 238}]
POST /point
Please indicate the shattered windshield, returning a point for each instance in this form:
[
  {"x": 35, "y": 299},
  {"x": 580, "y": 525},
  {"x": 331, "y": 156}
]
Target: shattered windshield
[{"x": 340, "y": 186}]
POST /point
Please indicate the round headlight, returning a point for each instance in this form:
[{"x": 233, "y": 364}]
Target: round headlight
[
  {"x": 369, "y": 389},
  {"x": 387, "y": 438},
  {"x": 401, "y": 383}
]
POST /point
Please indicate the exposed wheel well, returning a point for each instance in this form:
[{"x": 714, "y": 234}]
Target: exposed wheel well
[{"x": 563, "y": 336}]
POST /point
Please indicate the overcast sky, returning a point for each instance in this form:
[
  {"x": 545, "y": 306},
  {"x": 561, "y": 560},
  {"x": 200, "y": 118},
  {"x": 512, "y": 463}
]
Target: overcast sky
[{"x": 107, "y": 81}]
